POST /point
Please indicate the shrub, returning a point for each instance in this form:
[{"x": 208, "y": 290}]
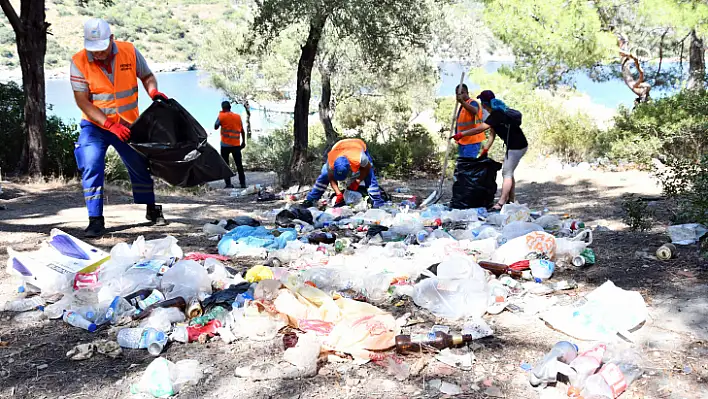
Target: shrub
[
  {"x": 670, "y": 127},
  {"x": 115, "y": 169},
  {"x": 686, "y": 181},
  {"x": 411, "y": 151},
  {"x": 637, "y": 214},
  {"x": 60, "y": 136}
]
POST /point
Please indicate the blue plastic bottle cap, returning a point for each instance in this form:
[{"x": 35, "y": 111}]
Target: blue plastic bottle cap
[
  {"x": 21, "y": 289},
  {"x": 92, "y": 327},
  {"x": 160, "y": 336}
]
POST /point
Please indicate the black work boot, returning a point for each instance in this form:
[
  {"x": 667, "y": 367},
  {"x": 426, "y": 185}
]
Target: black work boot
[
  {"x": 96, "y": 227},
  {"x": 154, "y": 214}
]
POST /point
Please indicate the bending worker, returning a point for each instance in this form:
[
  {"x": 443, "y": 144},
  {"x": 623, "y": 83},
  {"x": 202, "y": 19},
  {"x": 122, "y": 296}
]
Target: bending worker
[
  {"x": 348, "y": 156},
  {"x": 104, "y": 80},
  {"x": 232, "y": 140},
  {"x": 470, "y": 116}
]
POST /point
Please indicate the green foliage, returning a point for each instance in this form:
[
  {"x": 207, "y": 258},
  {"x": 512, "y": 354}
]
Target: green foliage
[
  {"x": 637, "y": 214},
  {"x": 410, "y": 152},
  {"x": 686, "y": 181},
  {"x": 548, "y": 126},
  {"x": 671, "y": 127},
  {"x": 60, "y": 136},
  {"x": 115, "y": 170},
  {"x": 549, "y": 37}
]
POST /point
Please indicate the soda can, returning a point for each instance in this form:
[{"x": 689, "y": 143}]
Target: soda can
[{"x": 578, "y": 261}]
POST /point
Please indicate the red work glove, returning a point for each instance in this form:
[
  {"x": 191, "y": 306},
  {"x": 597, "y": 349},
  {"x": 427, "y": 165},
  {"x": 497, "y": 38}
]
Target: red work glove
[
  {"x": 457, "y": 137},
  {"x": 154, "y": 94},
  {"x": 339, "y": 199},
  {"x": 122, "y": 132},
  {"x": 484, "y": 152},
  {"x": 354, "y": 186}
]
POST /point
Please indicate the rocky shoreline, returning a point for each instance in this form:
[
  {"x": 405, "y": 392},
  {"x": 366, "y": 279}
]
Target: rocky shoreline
[{"x": 15, "y": 75}]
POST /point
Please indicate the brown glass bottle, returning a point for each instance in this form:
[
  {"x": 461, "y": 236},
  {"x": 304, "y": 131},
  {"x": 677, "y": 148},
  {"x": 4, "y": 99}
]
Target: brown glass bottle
[
  {"x": 498, "y": 269},
  {"x": 419, "y": 342},
  {"x": 178, "y": 302}
]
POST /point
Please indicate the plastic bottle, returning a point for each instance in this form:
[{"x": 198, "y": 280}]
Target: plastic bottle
[
  {"x": 584, "y": 366},
  {"x": 402, "y": 190},
  {"x": 154, "y": 297},
  {"x": 556, "y": 361},
  {"x": 418, "y": 342},
  {"x": 24, "y": 304},
  {"x": 141, "y": 338},
  {"x": 118, "y": 309},
  {"x": 177, "y": 302},
  {"x": 612, "y": 380},
  {"x": 76, "y": 320}
]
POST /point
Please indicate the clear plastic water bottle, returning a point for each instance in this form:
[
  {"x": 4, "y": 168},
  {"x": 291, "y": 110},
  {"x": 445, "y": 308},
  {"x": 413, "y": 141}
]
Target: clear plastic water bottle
[
  {"x": 76, "y": 320},
  {"x": 119, "y": 309},
  {"x": 56, "y": 310},
  {"x": 421, "y": 236},
  {"x": 154, "y": 297},
  {"x": 142, "y": 338},
  {"x": 556, "y": 361},
  {"x": 24, "y": 304}
]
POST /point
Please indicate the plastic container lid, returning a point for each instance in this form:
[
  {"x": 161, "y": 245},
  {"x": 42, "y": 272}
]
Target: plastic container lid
[{"x": 91, "y": 327}]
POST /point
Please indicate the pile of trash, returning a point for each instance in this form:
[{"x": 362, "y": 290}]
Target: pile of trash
[{"x": 323, "y": 279}]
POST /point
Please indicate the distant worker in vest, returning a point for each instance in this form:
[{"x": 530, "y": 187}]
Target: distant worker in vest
[
  {"x": 347, "y": 158},
  {"x": 469, "y": 117},
  {"x": 104, "y": 78},
  {"x": 233, "y": 140}
]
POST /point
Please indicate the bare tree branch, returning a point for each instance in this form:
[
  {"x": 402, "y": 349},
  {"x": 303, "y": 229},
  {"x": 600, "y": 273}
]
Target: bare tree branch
[{"x": 12, "y": 16}]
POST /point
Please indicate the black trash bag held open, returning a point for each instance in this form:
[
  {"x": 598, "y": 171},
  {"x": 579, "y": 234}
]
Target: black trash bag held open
[
  {"x": 475, "y": 183},
  {"x": 175, "y": 145}
]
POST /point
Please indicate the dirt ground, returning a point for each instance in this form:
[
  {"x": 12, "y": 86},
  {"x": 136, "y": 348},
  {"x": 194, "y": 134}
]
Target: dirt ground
[{"x": 673, "y": 341}]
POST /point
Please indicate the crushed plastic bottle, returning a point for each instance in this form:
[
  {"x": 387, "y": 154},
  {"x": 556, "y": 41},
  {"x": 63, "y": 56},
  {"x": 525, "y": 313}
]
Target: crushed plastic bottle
[
  {"x": 141, "y": 338},
  {"x": 162, "y": 378},
  {"x": 556, "y": 361},
  {"x": 24, "y": 304}
]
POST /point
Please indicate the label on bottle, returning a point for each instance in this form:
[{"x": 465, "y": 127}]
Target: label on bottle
[
  {"x": 422, "y": 338},
  {"x": 614, "y": 378}
]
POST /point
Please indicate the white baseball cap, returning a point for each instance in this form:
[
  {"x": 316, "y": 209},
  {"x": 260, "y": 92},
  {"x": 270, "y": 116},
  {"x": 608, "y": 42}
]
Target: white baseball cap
[{"x": 97, "y": 35}]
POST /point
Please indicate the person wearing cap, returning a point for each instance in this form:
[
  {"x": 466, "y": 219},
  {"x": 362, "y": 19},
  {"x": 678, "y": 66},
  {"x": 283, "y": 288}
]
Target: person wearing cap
[
  {"x": 501, "y": 123},
  {"x": 347, "y": 157},
  {"x": 470, "y": 116},
  {"x": 104, "y": 79},
  {"x": 232, "y": 140}
]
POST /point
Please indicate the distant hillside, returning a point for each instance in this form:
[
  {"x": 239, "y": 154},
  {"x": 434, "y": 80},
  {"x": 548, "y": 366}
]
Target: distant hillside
[{"x": 164, "y": 31}]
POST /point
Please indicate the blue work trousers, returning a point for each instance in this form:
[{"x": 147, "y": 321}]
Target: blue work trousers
[
  {"x": 372, "y": 185},
  {"x": 90, "y": 153}
]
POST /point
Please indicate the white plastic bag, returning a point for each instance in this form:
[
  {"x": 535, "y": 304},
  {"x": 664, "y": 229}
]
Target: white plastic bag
[
  {"x": 187, "y": 279},
  {"x": 515, "y": 213},
  {"x": 520, "y": 247},
  {"x": 686, "y": 234},
  {"x": 162, "y": 378},
  {"x": 609, "y": 310}
]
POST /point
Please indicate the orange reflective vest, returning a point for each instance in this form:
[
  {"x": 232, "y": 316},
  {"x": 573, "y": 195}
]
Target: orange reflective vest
[
  {"x": 349, "y": 148},
  {"x": 231, "y": 128},
  {"x": 467, "y": 121},
  {"x": 118, "y": 100}
]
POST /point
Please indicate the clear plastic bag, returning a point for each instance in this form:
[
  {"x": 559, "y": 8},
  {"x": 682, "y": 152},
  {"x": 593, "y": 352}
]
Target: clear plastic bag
[
  {"x": 187, "y": 279},
  {"x": 518, "y": 229},
  {"x": 515, "y": 213}
]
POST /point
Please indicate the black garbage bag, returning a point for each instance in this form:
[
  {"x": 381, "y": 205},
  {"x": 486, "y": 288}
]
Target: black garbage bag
[
  {"x": 175, "y": 145},
  {"x": 475, "y": 183},
  {"x": 285, "y": 217}
]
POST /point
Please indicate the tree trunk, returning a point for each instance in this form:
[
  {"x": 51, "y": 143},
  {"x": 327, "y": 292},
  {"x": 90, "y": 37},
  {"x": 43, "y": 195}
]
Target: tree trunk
[
  {"x": 326, "y": 108},
  {"x": 302, "y": 99},
  {"x": 31, "y": 48},
  {"x": 247, "y": 107},
  {"x": 696, "y": 63}
]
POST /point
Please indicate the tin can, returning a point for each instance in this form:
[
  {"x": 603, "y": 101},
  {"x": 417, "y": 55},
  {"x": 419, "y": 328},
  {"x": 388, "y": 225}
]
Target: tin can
[
  {"x": 194, "y": 308},
  {"x": 578, "y": 261},
  {"x": 666, "y": 251}
]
